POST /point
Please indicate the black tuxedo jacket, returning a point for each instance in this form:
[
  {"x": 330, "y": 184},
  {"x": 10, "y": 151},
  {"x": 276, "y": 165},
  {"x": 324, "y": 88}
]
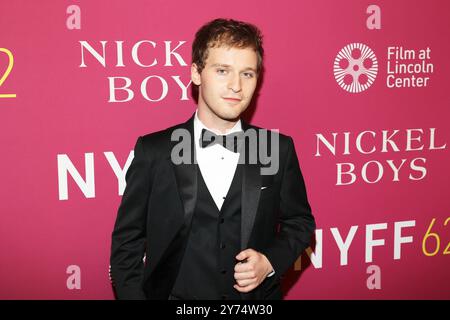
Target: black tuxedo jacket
[{"x": 157, "y": 206}]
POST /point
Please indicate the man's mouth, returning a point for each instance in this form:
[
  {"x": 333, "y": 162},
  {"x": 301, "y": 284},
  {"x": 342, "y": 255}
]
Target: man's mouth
[{"x": 232, "y": 99}]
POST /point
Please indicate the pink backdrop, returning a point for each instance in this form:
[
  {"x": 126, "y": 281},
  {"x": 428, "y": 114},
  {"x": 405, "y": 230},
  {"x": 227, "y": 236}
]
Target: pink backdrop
[{"x": 57, "y": 247}]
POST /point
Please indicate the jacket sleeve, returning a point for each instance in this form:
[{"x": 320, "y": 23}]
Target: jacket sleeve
[
  {"x": 296, "y": 221},
  {"x": 129, "y": 234}
]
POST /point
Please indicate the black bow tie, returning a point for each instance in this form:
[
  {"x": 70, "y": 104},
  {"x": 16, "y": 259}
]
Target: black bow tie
[{"x": 230, "y": 141}]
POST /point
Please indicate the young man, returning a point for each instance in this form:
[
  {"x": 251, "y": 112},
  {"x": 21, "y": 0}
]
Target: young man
[{"x": 215, "y": 227}]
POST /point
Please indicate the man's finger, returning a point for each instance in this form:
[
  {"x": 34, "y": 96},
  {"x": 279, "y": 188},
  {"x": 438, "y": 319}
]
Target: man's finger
[
  {"x": 244, "y": 254},
  {"x": 244, "y": 289},
  {"x": 244, "y": 275},
  {"x": 243, "y": 267},
  {"x": 246, "y": 282}
]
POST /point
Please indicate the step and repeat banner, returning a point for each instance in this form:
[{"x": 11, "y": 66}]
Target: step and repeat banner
[{"x": 361, "y": 86}]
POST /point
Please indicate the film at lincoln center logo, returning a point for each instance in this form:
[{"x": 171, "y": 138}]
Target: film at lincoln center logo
[{"x": 355, "y": 67}]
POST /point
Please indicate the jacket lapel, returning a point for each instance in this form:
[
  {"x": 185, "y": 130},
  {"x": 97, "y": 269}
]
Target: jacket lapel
[
  {"x": 251, "y": 191},
  {"x": 186, "y": 175}
]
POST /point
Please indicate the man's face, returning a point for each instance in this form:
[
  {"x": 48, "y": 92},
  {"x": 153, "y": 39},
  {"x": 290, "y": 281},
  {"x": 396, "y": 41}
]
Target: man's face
[{"x": 227, "y": 82}]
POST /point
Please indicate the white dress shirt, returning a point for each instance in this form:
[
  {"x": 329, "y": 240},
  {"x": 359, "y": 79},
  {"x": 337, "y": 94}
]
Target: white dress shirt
[{"x": 217, "y": 164}]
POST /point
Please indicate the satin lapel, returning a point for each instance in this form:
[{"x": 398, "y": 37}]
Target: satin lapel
[
  {"x": 186, "y": 176},
  {"x": 251, "y": 191}
]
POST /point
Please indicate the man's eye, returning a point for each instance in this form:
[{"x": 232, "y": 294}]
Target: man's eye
[
  {"x": 248, "y": 74},
  {"x": 221, "y": 71}
]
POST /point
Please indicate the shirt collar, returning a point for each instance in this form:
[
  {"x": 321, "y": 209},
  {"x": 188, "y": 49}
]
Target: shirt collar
[{"x": 199, "y": 126}]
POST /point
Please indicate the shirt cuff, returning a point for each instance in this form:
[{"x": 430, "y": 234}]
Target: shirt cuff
[{"x": 271, "y": 274}]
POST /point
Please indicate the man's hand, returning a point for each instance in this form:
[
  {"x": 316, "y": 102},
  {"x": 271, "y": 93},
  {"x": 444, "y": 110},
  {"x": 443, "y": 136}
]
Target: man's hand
[{"x": 252, "y": 269}]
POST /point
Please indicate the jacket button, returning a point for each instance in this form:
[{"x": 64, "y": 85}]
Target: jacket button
[
  {"x": 223, "y": 271},
  {"x": 222, "y": 220}
]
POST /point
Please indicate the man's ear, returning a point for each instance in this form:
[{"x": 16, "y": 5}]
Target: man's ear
[{"x": 195, "y": 75}]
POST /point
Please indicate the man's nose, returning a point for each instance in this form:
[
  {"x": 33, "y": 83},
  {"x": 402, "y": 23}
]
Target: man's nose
[{"x": 235, "y": 84}]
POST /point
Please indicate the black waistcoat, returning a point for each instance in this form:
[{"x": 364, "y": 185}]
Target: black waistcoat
[{"x": 207, "y": 267}]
